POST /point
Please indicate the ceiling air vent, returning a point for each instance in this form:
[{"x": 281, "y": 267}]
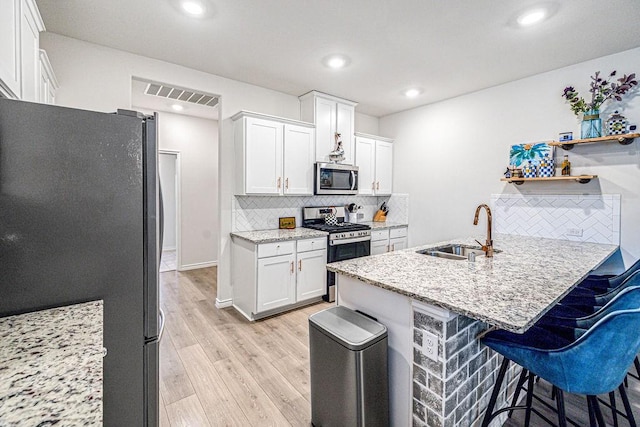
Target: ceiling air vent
[{"x": 185, "y": 95}]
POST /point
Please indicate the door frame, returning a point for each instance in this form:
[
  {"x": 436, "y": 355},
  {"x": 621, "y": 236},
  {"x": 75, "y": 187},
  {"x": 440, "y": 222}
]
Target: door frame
[{"x": 178, "y": 186}]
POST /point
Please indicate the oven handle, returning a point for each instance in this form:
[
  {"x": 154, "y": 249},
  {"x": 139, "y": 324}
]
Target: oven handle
[
  {"x": 353, "y": 180},
  {"x": 346, "y": 241}
]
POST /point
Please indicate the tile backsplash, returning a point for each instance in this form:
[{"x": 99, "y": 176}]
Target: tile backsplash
[
  {"x": 262, "y": 212},
  {"x": 581, "y": 218}
]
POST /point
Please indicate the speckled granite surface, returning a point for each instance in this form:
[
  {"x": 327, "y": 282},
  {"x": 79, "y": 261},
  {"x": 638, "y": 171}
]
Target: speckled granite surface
[
  {"x": 383, "y": 225},
  {"x": 511, "y": 290},
  {"x": 51, "y": 367},
  {"x": 266, "y": 236}
]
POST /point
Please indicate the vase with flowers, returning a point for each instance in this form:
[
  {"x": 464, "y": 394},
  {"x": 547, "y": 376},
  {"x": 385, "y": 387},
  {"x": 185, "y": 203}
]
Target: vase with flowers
[{"x": 602, "y": 90}]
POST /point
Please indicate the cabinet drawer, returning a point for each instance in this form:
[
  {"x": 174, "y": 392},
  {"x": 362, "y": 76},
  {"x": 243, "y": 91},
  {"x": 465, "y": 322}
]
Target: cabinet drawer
[
  {"x": 312, "y": 244},
  {"x": 398, "y": 232},
  {"x": 276, "y": 248},
  {"x": 379, "y": 235}
]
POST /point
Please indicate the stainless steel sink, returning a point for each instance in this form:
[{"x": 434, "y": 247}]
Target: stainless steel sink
[{"x": 455, "y": 252}]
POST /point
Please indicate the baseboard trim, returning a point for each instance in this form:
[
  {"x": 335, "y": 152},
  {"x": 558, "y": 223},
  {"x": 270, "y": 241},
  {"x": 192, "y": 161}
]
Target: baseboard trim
[
  {"x": 169, "y": 248},
  {"x": 224, "y": 303},
  {"x": 198, "y": 265}
]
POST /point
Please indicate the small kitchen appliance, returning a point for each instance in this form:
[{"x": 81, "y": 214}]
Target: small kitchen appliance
[
  {"x": 336, "y": 179},
  {"x": 346, "y": 240}
]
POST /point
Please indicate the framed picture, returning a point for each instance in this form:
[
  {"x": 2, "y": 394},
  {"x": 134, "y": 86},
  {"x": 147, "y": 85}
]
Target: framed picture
[
  {"x": 534, "y": 151},
  {"x": 288, "y": 222}
]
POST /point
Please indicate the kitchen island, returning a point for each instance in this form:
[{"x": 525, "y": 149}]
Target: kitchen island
[
  {"x": 51, "y": 367},
  {"x": 434, "y": 309}
]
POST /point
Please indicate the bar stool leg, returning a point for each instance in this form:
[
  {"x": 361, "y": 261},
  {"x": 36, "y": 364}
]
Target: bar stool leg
[
  {"x": 614, "y": 411},
  {"x": 596, "y": 407},
  {"x": 592, "y": 415},
  {"x": 562, "y": 418},
  {"x": 527, "y": 416},
  {"x": 521, "y": 380},
  {"x": 627, "y": 406},
  {"x": 488, "y": 415}
]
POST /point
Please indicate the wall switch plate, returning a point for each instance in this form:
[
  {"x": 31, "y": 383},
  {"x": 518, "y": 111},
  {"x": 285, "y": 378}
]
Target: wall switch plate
[
  {"x": 575, "y": 232},
  {"x": 430, "y": 345}
]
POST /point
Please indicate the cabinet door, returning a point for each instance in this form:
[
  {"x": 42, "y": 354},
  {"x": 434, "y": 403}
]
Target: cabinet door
[
  {"x": 325, "y": 128},
  {"x": 10, "y": 48},
  {"x": 345, "y": 127},
  {"x": 383, "y": 167},
  {"x": 30, "y": 48},
  {"x": 276, "y": 282},
  {"x": 312, "y": 275},
  {"x": 365, "y": 160},
  {"x": 263, "y": 152},
  {"x": 379, "y": 247},
  {"x": 398, "y": 243},
  {"x": 298, "y": 159}
]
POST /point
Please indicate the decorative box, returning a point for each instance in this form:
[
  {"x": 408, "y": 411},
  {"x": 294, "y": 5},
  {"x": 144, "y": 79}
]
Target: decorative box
[
  {"x": 529, "y": 169},
  {"x": 546, "y": 169},
  {"x": 616, "y": 124}
]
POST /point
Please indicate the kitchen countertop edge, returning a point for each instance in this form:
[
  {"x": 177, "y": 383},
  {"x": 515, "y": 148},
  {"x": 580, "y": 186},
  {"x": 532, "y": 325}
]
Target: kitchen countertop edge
[{"x": 278, "y": 235}]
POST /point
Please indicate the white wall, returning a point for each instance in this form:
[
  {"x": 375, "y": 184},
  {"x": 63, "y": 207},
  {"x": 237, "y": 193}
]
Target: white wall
[
  {"x": 197, "y": 141},
  {"x": 98, "y": 78},
  {"x": 167, "y": 172},
  {"x": 450, "y": 156}
]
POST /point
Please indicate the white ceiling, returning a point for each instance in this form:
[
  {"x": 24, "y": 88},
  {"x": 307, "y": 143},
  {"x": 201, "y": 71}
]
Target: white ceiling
[{"x": 446, "y": 47}]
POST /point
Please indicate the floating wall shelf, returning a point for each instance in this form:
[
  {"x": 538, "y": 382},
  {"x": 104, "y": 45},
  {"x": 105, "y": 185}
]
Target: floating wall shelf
[
  {"x": 582, "y": 179},
  {"x": 625, "y": 139}
]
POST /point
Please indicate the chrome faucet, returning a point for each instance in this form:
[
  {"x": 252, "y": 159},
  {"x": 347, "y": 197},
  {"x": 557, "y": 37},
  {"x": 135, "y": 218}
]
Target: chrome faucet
[{"x": 488, "y": 246}]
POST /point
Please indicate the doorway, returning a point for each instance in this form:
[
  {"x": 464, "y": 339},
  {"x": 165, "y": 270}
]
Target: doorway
[{"x": 169, "y": 171}]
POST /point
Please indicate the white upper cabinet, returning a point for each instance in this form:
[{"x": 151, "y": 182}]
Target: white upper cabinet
[
  {"x": 10, "y": 48},
  {"x": 48, "y": 81},
  {"x": 263, "y": 143},
  {"x": 298, "y": 160},
  {"x": 273, "y": 155},
  {"x": 374, "y": 158},
  {"x": 331, "y": 115},
  {"x": 20, "y": 27}
]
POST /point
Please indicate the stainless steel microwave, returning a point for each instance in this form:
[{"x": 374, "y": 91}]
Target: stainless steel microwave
[{"x": 333, "y": 178}]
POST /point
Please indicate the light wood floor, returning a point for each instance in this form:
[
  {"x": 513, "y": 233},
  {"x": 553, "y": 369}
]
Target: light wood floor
[{"x": 218, "y": 369}]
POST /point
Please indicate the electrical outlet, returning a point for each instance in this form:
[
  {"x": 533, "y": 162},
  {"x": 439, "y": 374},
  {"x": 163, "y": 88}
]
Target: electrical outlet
[
  {"x": 430, "y": 345},
  {"x": 575, "y": 232}
]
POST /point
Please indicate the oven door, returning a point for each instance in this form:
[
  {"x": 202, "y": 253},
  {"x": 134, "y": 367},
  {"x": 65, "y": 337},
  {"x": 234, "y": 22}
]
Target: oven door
[
  {"x": 340, "y": 252},
  {"x": 336, "y": 179},
  {"x": 343, "y": 251}
]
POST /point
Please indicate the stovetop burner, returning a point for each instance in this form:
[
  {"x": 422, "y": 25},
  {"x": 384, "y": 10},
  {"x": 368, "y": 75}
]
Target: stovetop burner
[
  {"x": 314, "y": 217},
  {"x": 342, "y": 226}
]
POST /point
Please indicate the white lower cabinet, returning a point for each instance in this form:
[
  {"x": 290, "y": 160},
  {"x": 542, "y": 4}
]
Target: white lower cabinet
[
  {"x": 272, "y": 277},
  {"x": 276, "y": 282},
  {"x": 312, "y": 275},
  {"x": 388, "y": 240}
]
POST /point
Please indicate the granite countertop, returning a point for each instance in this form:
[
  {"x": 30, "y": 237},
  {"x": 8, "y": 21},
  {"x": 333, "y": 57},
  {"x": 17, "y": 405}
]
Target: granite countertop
[
  {"x": 375, "y": 225},
  {"x": 51, "y": 367},
  {"x": 277, "y": 235},
  {"x": 511, "y": 290}
]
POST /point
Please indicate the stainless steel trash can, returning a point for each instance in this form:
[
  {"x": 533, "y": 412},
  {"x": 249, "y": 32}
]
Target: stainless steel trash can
[{"x": 349, "y": 377}]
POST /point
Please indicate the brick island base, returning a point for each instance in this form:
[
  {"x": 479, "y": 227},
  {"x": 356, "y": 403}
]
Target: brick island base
[{"x": 450, "y": 388}]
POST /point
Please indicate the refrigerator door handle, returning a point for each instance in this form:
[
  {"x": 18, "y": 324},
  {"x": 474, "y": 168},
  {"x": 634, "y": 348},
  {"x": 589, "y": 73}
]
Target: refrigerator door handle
[{"x": 161, "y": 316}]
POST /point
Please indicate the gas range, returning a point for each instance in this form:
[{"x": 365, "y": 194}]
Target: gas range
[
  {"x": 346, "y": 240},
  {"x": 339, "y": 233}
]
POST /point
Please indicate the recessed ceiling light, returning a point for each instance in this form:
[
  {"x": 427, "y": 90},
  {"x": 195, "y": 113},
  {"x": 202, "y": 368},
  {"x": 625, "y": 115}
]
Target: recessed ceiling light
[
  {"x": 177, "y": 107},
  {"x": 412, "y": 93},
  {"x": 336, "y": 61},
  {"x": 532, "y": 17},
  {"x": 193, "y": 8}
]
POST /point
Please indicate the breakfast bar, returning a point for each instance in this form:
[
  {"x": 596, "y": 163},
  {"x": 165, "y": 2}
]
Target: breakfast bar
[{"x": 435, "y": 307}]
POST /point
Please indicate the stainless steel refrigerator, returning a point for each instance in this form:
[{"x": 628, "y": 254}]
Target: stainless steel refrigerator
[{"x": 80, "y": 220}]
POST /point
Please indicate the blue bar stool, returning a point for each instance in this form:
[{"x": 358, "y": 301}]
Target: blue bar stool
[
  {"x": 604, "y": 283},
  {"x": 590, "y": 301},
  {"x": 611, "y": 345}
]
